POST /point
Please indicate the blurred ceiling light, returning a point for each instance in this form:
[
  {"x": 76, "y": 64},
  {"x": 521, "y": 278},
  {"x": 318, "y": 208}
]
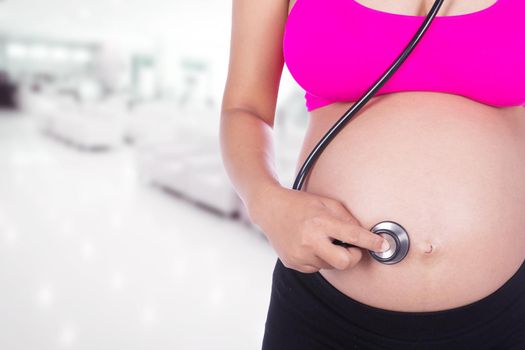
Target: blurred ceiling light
[
  {"x": 17, "y": 50},
  {"x": 40, "y": 52},
  {"x": 60, "y": 54},
  {"x": 81, "y": 55}
]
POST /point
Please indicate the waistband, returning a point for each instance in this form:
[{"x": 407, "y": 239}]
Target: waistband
[{"x": 429, "y": 325}]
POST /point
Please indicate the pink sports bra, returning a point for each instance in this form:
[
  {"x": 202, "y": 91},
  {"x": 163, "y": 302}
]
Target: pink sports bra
[{"x": 336, "y": 49}]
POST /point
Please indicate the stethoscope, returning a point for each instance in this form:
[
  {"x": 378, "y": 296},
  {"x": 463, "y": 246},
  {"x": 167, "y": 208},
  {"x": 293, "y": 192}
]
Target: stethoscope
[{"x": 394, "y": 233}]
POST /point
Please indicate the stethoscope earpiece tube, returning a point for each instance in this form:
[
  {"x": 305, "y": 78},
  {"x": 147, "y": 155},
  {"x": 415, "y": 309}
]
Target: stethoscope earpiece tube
[{"x": 393, "y": 232}]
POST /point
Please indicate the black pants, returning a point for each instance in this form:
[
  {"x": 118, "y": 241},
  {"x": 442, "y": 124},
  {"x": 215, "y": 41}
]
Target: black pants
[{"x": 307, "y": 312}]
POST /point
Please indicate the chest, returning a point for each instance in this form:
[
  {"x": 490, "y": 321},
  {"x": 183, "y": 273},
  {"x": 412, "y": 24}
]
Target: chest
[{"x": 337, "y": 48}]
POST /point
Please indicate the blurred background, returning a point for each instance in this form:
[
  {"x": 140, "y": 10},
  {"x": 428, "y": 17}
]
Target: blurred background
[{"x": 119, "y": 228}]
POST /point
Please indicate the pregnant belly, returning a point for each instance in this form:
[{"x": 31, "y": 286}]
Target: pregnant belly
[{"x": 451, "y": 171}]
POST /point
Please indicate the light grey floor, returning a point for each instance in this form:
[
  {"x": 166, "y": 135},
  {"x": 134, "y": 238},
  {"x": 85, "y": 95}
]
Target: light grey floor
[{"x": 91, "y": 258}]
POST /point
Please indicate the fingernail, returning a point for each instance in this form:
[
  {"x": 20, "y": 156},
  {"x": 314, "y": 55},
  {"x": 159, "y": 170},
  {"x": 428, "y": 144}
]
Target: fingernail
[{"x": 385, "y": 246}]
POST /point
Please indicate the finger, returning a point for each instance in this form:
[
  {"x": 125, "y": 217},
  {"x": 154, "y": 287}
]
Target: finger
[
  {"x": 357, "y": 255},
  {"x": 321, "y": 263},
  {"x": 338, "y": 257},
  {"x": 307, "y": 268},
  {"x": 318, "y": 263},
  {"x": 354, "y": 234}
]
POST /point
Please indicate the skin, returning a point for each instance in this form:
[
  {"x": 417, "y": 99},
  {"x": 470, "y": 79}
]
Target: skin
[{"x": 454, "y": 179}]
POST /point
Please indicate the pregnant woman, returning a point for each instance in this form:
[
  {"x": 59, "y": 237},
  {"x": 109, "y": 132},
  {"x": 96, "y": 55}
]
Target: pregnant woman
[{"x": 439, "y": 149}]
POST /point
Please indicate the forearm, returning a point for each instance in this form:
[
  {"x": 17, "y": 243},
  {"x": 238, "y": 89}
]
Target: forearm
[{"x": 248, "y": 155}]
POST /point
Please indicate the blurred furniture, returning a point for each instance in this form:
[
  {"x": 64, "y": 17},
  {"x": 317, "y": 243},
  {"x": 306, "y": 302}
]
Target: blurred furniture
[
  {"x": 177, "y": 149},
  {"x": 153, "y": 122},
  {"x": 91, "y": 125}
]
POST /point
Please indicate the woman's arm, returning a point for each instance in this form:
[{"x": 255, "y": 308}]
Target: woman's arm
[
  {"x": 249, "y": 100},
  {"x": 299, "y": 225}
]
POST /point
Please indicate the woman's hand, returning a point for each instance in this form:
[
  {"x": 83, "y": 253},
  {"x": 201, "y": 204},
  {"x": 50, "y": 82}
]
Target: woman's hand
[{"x": 301, "y": 227}]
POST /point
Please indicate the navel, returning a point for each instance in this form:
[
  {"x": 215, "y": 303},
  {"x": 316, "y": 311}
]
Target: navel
[{"x": 428, "y": 248}]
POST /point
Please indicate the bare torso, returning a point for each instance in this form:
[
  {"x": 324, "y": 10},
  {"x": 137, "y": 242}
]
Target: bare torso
[{"x": 449, "y": 169}]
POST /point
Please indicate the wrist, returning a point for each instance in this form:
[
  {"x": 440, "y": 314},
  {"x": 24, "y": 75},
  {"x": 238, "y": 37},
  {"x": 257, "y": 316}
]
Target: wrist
[{"x": 259, "y": 200}]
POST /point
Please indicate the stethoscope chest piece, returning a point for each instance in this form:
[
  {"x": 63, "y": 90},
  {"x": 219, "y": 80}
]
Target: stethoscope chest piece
[{"x": 398, "y": 239}]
